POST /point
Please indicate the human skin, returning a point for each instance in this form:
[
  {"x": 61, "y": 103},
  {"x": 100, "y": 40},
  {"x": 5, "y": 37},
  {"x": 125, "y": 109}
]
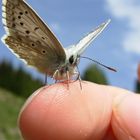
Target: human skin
[{"x": 96, "y": 112}]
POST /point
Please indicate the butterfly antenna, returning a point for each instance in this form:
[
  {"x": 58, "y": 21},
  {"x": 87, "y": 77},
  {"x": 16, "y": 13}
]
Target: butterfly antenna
[{"x": 109, "y": 68}]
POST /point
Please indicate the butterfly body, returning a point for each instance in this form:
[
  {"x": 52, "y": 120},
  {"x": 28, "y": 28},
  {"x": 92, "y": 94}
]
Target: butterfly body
[{"x": 29, "y": 38}]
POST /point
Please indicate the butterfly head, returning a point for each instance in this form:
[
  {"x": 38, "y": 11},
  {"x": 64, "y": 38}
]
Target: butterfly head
[
  {"x": 73, "y": 60},
  {"x": 67, "y": 70}
]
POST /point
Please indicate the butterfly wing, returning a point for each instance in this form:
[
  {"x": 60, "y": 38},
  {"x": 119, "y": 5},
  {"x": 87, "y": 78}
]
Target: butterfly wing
[
  {"x": 29, "y": 37},
  {"x": 79, "y": 48}
]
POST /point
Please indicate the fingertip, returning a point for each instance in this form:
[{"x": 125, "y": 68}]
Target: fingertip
[
  {"x": 31, "y": 119},
  {"x": 48, "y": 108}
]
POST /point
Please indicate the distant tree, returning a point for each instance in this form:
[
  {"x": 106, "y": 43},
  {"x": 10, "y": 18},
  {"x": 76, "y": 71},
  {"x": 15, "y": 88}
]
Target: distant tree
[
  {"x": 94, "y": 74},
  {"x": 138, "y": 81},
  {"x": 6, "y": 75},
  {"x": 17, "y": 80},
  {"x": 137, "y": 87}
]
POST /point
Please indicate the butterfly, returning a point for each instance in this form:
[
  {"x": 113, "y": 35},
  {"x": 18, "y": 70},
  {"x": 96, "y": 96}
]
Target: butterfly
[{"x": 28, "y": 37}]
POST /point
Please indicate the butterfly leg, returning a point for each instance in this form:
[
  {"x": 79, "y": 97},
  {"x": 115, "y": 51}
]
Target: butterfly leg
[
  {"x": 76, "y": 74},
  {"x": 79, "y": 77},
  {"x": 80, "y": 81},
  {"x": 68, "y": 78},
  {"x": 55, "y": 75}
]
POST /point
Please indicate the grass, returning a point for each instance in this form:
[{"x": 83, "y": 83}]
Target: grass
[{"x": 10, "y": 106}]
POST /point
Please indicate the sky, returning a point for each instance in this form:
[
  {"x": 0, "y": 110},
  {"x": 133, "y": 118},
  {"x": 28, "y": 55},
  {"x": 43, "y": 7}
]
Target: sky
[{"x": 117, "y": 46}]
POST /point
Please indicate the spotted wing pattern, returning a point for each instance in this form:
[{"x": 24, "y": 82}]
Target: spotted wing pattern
[{"x": 29, "y": 38}]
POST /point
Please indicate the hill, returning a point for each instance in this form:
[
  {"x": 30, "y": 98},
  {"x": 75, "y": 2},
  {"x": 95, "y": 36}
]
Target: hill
[{"x": 10, "y": 105}]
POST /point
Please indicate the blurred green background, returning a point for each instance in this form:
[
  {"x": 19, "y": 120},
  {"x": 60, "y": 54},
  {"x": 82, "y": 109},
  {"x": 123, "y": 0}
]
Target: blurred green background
[{"x": 16, "y": 85}]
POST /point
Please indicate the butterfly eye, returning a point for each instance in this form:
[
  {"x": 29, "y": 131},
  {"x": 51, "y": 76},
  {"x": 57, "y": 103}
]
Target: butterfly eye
[{"x": 71, "y": 59}]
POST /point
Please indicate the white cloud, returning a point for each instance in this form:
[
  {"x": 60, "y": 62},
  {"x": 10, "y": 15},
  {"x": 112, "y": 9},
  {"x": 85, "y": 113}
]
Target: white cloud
[{"x": 129, "y": 10}]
